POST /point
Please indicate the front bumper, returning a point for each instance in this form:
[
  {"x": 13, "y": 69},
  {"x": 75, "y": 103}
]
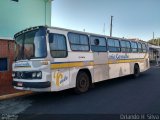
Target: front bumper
[{"x": 32, "y": 84}]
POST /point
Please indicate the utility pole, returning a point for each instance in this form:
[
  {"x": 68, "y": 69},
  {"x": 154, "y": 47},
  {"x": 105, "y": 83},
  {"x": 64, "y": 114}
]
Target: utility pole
[
  {"x": 45, "y": 2},
  {"x": 158, "y": 42},
  {"x": 153, "y": 35},
  {"x": 111, "y": 26},
  {"x": 45, "y": 5},
  {"x": 104, "y": 29}
]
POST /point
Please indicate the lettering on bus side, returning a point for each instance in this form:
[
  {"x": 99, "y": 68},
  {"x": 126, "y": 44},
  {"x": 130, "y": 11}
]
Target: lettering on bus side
[
  {"x": 23, "y": 64},
  {"x": 117, "y": 57}
]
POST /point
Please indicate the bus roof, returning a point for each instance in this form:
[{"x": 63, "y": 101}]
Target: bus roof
[{"x": 70, "y": 30}]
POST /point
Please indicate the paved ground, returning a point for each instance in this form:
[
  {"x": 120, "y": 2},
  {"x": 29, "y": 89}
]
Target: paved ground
[{"x": 118, "y": 96}]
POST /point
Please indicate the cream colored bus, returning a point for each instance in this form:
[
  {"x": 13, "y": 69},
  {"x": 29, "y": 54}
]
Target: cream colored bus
[{"x": 54, "y": 59}]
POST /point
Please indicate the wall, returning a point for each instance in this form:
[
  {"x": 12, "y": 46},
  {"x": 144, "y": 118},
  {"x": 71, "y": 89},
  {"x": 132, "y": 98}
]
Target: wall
[
  {"x": 6, "y": 51},
  {"x": 16, "y": 16}
]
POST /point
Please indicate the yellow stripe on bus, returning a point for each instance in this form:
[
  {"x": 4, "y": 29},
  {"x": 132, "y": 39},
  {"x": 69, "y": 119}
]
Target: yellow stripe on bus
[
  {"x": 82, "y": 64},
  {"x": 70, "y": 65},
  {"x": 124, "y": 61}
]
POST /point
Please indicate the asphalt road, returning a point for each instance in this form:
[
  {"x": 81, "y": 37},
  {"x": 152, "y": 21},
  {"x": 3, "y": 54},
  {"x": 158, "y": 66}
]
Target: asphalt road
[{"x": 117, "y": 96}]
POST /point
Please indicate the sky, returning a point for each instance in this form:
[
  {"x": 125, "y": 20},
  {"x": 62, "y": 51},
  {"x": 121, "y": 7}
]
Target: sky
[{"x": 132, "y": 18}]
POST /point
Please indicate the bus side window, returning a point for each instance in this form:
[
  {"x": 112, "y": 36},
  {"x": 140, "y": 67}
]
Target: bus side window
[
  {"x": 114, "y": 45},
  {"x": 123, "y": 46},
  {"x": 144, "y": 47},
  {"x": 58, "y": 46},
  {"x": 139, "y": 47},
  {"x": 117, "y": 46},
  {"x": 128, "y": 46},
  {"x": 98, "y": 44},
  {"x": 78, "y": 42},
  {"x": 134, "y": 47}
]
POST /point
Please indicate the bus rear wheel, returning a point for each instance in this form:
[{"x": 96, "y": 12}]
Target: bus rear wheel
[
  {"x": 136, "y": 71},
  {"x": 82, "y": 83}
]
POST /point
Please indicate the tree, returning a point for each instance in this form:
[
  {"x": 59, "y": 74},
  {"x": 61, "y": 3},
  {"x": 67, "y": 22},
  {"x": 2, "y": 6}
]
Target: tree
[{"x": 155, "y": 41}]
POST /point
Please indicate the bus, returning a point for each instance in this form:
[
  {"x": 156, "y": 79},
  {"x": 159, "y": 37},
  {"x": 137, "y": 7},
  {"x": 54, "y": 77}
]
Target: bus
[{"x": 55, "y": 59}]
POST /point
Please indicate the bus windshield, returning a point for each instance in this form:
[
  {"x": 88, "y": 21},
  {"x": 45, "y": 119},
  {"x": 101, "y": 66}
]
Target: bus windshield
[{"x": 31, "y": 45}]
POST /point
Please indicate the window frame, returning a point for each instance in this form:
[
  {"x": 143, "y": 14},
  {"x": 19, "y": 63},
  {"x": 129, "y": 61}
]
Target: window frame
[
  {"x": 140, "y": 50},
  {"x": 126, "y": 46},
  {"x": 70, "y": 43},
  {"x": 134, "y": 48},
  {"x": 59, "y": 50},
  {"x": 98, "y": 45},
  {"x": 145, "y": 47},
  {"x": 6, "y": 64},
  {"x": 113, "y": 39}
]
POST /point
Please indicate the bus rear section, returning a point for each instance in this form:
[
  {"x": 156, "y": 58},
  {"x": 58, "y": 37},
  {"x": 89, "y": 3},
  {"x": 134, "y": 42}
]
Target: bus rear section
[{"x": 127, "y": 57}]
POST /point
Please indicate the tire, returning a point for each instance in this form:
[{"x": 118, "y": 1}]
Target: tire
[
  {"x": 136, "y": 71},
  {"x": 82, "y": 83}
]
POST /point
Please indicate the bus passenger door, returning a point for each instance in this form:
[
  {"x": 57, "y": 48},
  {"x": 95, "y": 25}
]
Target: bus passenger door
[
  {"x": 100, "y": 58},
  {"x": 59, "y": 62}
]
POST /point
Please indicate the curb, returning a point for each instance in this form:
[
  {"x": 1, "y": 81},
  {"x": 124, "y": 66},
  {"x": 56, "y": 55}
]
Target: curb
[{"x": 8, "y": 96}]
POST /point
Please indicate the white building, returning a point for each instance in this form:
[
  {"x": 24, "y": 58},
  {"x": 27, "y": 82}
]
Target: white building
[{"x": 154, "y": 53}]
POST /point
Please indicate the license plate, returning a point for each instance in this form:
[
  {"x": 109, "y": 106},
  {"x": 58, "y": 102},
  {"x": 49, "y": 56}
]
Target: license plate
[{"x": 20, "y": 84}]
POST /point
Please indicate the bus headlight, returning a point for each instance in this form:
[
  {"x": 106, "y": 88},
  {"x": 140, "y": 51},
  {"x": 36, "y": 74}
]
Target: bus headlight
[
  {"x": 39, "y": 75},
  {"x": 34, "y": 74}
]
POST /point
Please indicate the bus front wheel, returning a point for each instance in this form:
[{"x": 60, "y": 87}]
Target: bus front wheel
[
  {"x": 136, "y": 71},
  {"x": 82, "y": 82}
]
